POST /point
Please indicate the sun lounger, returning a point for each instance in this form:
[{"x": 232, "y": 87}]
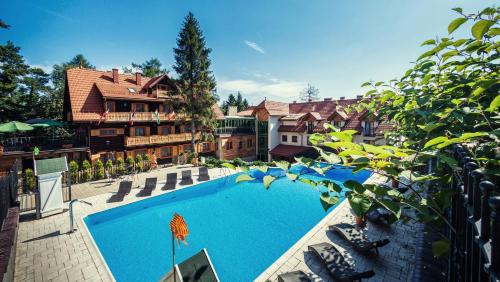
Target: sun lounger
[
  {"x": 196, "y": 268},
  {"x": 380, "y": 216},
  {"x": 123, "y": 189},
  {"x": 294, "y": 276},
  {"x": 149, "y": 186},
  {"x": 203, "y": 174},
  {"x": 338, "y": 268},
  {"x": 186, "y": 178},
  {"x": 171, "y": 181},
  {"x": 357, "y": 239}
]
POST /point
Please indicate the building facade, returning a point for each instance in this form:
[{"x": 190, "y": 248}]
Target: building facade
[
  {"x": 129, "y": 115},
  {"x": 283, "y": 129}
]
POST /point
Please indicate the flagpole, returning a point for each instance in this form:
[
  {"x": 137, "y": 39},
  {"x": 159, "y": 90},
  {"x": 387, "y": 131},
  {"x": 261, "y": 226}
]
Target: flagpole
[{"x": 173, "y": 255}]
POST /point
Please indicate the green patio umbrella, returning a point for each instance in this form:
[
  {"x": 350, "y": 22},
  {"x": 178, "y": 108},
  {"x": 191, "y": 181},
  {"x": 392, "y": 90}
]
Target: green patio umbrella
[
  {"x": 43, "y": 122},
  {"x": 14, "y": 126}
]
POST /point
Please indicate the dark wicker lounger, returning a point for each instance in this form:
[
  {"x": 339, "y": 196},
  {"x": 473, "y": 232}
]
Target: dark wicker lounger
[
  {"x": 357, "y": 239},
  {"x": 203, "y": 174},
  {"x": 149, "y": 186},
  {"x": 294, "y": 276},
  {"x": 186, "y": 178},
  {"x": 171, "y": 181},
  {"x": 338, "y": 268},
  {"x": 124, "y": 188}
]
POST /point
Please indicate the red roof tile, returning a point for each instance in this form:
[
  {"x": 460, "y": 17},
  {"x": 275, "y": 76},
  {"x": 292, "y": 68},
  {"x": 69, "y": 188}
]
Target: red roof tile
[
  {"x": 273, "y": 107},
  {"x": 301, "y": 127}
]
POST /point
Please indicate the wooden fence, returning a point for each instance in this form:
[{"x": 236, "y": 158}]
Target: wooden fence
[{"x": 475, "y": 215}]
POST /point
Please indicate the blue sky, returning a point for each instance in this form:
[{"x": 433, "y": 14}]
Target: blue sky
[{"x": 263, "y": 48}]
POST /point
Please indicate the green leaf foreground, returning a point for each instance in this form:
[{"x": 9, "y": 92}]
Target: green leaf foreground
[
  {"x": 267, "y": 180},
  {"x": 450, "y": 96},
  {"x": 244, "y": 177}
]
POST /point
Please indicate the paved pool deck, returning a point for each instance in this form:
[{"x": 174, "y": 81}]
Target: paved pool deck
[{"x": 46, "y": 251}]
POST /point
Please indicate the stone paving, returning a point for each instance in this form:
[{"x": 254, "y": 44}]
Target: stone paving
[
  {"x": 46, "y": 251},
  {"x": 393, "y": 263}
]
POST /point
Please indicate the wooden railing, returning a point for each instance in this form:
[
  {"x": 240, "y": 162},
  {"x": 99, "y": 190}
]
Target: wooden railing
[
  {"x": 157, "y": 139},
  {"x": 140, "y": 117}
]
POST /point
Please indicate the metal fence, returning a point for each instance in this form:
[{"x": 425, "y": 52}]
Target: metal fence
[
  {"x": 8, "y": 191},
  {"x": 475, "y": 216}
]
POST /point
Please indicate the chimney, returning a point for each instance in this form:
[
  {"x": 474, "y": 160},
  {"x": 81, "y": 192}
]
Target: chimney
[
  {"x": 342, "y": 98},
  {"x": 328, "y": 99},
  {"x": 359, "y": 97},
  {"x": 138, "y": 78},
  {"x": 115, "y": 76}
]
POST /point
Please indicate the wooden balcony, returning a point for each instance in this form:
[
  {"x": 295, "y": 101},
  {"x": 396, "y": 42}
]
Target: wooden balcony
[
  {"x": 158, "y": 139},
  {"x": 140, "y": 117}
]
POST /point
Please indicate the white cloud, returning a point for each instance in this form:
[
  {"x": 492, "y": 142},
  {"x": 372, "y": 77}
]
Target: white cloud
[
  {"x": 254, "y": 46},
  {"x": 45, "y": 68},
  {"x": 255, "y": 91}
]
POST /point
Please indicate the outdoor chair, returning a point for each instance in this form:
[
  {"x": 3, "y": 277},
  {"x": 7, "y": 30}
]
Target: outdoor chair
[
  {"x": 336, "y": 265},
  {"x": 203, "y": 174},
  {"x": 149, "y": 186},
  {"x": 357, "y": 239},
  {"x": 186, "y": 178},
  {"x": 294, "y": 276},
  {"x": 123, "y": 189},
  {"x": 171, "y": 181}
]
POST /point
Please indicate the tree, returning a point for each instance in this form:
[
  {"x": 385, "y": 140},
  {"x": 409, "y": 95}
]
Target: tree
[
  {"x": 196, "y": 83},
  {"x": 238, "y": 101},
  {"x": 35, "y": 89},
  {"x": 309, "y": 93},
  {"x": 149, "y": 68},
  {"x": 4, "y": 25}
]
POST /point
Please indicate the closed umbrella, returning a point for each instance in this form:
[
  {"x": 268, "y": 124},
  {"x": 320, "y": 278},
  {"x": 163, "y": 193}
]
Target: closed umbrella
[
  {"x": 44, "y": 122},
  {"x": 14, "y": 126}
]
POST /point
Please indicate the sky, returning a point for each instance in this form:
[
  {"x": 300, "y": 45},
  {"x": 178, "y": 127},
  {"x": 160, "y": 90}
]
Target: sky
[{"x": 264, "y": 48}]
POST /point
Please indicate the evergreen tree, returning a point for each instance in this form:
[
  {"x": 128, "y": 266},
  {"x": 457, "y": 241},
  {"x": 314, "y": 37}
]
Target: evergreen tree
[
  {"x": 196, "y": 81},
  {"x": 149, "y": 68},
  {"x": 238, "y": 101},
  {"x": 12, "y": 70},
  {"x": 3, "y": 24},
  {"x": 35, "y": 88},
  {"x": 310, "y": 93}
]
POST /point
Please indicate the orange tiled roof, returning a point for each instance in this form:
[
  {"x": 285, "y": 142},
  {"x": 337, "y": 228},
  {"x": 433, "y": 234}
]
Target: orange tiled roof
[
  {"x": 217, "y": 112},
  {"x": 274, "y": 108}
]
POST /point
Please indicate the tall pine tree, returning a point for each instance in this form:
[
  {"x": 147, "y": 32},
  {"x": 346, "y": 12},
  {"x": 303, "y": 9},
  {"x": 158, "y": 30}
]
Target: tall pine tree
[{"x": 196, "y": 82}]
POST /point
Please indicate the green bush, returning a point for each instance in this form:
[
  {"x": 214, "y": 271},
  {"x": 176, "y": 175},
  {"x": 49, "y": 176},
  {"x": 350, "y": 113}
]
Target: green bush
[
  {"x": 147, "y": 160},
  {"x": 130, "y": 163},
  {"x": 120, "y": 166},
  {"x": 109, "y": 167},
  {"x": 29, "y": 179},
  {"x": 239, "y": 162},
  {"x": 138, "y": 163},
  {"x": 87, "y": 174},
  {"x": 99, "y": 166},
  {"x": 73, "y": 168}
]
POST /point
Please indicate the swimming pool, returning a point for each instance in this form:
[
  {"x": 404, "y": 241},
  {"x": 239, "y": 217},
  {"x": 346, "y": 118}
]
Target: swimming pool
[{"x": 243, "y": 226}]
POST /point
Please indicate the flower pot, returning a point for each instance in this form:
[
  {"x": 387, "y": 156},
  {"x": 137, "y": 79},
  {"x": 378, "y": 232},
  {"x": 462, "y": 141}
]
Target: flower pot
[{"x": 360, "y": 221}]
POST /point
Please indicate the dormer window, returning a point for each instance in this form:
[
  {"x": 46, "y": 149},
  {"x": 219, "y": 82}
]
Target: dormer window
[
  {"x": 310, "y": 126},
  {"x": 338, "y": 123},
  {"x": 369, "y": 129}
]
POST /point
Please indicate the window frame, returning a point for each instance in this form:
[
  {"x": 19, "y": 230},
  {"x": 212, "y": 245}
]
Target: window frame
[{"x": 295, "y": 139}]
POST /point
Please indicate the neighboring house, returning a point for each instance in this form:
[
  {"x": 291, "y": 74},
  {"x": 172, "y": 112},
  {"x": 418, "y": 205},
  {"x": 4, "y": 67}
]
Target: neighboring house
[
  {"x": 283, "y": 129},
  {"x": 236, "y": 136},
  {"x": 126, "y": 115}
]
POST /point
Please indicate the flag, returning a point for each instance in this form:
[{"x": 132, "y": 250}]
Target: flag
[
  {"x": 157, "y": 115},
  {"x": 103, "y": 116},
  {"x": 172, "y": 115},
  {"x": 131, "y": 118},
  {"x": 179, "y": 228},
  {"x": 36, "y": 151}
]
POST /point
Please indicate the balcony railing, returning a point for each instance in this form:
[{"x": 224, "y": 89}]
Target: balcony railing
[
  {"x": 158, "y": 139},
  {"x": 140, "y": 117},
  {"x": 234, "y": 130},
  {"x": 27, "y": 143}
]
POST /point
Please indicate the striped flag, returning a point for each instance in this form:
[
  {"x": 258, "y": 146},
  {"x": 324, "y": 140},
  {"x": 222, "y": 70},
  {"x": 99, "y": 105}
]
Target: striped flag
[
  {"x": 131, "y": 118},
  {"x": 157, "y": 115},
  {"x": 179, "y": 228}
]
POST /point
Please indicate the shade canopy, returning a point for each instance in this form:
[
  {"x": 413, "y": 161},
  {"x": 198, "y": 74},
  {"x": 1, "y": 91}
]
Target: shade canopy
[
  {"x": 44, "y": 122},
  {"x": 15, "y": 126}
]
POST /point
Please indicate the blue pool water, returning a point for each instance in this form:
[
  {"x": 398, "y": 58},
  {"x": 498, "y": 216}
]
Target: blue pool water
[{"x": 243, "y": 226}]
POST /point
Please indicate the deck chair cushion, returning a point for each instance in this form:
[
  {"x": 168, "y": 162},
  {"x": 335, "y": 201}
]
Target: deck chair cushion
[
  {"x": 294, "y": 276},
  {"x": 357, "y": 239},
  {"x": 334, "y": 261}
]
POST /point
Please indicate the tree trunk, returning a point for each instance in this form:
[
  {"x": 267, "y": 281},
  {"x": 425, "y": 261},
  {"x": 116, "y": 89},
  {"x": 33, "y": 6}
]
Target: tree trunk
[{"x": 193, "y": 138}]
